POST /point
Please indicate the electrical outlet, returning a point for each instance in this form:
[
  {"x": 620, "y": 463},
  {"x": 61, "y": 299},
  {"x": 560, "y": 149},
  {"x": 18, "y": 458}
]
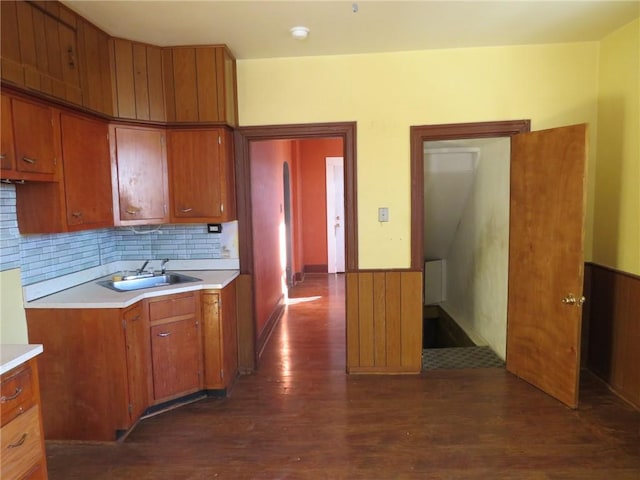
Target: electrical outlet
[
  {"x": 383, "y": 214},
  {"x": 214, "y": 227}
]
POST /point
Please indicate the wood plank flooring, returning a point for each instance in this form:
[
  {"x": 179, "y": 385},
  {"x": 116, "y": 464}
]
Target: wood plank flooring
[{"x": 301, "y": 417}]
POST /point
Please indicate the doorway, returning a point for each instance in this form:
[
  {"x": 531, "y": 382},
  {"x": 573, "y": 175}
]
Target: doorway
[
  {"x": 266, "y": 310},
  {"x": 335, "y": 214},
  {"x": 546, "y": 256}
]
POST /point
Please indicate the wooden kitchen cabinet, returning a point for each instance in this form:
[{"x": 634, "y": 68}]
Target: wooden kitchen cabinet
[
  {"x": 23, "y": 450},
  {"x": 139, "y": 87},
  {"x": 41, "y": 48},
  {"x": 139, "y": 170},
  {"x": 201, "y": 173},
  {"x": 7, "y": 146},
  {"x": 200, "y": 84},
  {"x": 95, "y": 68},
  {"x": 35, "y": 140},
  {"x": 82, "y": 198},
  {"x": 220, "y": 338},
  {"x": 87, "y": 172},
  {"x": 83, "y": 372},
  {"x": 138, "y": 354},
  {"x": 176, "y": 346}
]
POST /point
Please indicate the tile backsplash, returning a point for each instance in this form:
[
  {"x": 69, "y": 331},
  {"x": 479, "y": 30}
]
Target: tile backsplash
[{"x": 42, "y": 257}]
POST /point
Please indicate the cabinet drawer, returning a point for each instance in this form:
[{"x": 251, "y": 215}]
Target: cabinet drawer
[
  {"x": 17, "y": 393},
  {"x": 21, "y": 445},
  {"x": 173, "y": 306}
]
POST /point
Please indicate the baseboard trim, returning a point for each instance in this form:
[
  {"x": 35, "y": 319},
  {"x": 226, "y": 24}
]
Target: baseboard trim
[{"x": 316, "y": 268}]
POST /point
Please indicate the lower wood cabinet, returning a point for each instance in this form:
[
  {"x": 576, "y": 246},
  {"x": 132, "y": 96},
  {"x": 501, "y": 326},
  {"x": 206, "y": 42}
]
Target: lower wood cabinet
[
  {"x": 176, "y": 346},
  {"x": 102, "y": 369},
  {"x": 220, "y": 338},
  {"x": 21, "y": 438}
]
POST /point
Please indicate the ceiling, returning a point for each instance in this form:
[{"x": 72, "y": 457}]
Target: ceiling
[{"x": 260, "y": 29}]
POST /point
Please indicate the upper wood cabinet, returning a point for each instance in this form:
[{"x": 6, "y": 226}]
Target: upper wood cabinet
[
  {"x": 39, "y": 48},
  {"x": 200, "y": 84},
  {"x": 139, "y": 88},
  {"x": 139, "y": 172},
  {"x": 201, "y": 175},
  {"x": 7, "y": 146},
  {"x": 95, "y": 68},
  {"x": 30, "y": 141},
  {"x": 87, "y": 172},
  {"x": 82, "y": 198}
]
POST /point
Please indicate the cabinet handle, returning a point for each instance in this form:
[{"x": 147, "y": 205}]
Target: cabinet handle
[
  {"x": 5, "y": 399},
  {"x": 19, "y": 443},
  {"x": 3, "y": 156},
  {"x": 76, "y": 214},
  {"x": 29, "y": 160},
  {"x": 222, "y": 208},
  {"x": 133, "y": 210},
  {"x": 164, "y": 334},
  {"x": 186, "y": 210},
  {"x": 72, "y": 57}
]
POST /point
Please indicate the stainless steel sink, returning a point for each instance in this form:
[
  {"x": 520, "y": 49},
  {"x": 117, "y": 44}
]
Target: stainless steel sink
[{"x": 125, "y": 283}]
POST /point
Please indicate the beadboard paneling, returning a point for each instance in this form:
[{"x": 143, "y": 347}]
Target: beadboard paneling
[
  {"x": 384, "y": 322},
  {"x": 614, "y": 329}
]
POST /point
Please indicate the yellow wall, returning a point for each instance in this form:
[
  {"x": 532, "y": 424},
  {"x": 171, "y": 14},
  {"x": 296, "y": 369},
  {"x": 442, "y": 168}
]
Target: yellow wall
[
  {"x": 616, "y": 240},
  {"x": 385, "y": 94}
]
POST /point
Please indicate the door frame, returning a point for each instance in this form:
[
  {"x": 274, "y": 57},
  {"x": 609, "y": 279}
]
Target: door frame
[
  {"x": 450, "y": 131},
  {"x": 245, "y": 135}
]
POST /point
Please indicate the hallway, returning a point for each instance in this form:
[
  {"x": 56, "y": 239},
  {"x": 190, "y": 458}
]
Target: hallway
[{"x": 301, "y": 417}]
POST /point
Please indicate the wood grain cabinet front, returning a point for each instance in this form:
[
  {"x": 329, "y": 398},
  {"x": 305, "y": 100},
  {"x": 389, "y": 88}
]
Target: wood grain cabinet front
[
  {"x": 176, "y": 346},
  {"x": 201, "y": 175},
  {"x": 21, "y": 438},
  {"x": 30, "y": 141},
  {"x": 139, "y": 170},
  {"x": 39, "y": 48},
  {"x": 200, "y": 84},
  {"x": 220, "y": 338}
]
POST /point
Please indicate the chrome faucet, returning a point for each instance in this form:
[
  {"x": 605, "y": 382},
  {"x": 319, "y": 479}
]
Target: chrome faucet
[
  {"x": 141, "y": 269},
  {"x": 163, "y": 265}
]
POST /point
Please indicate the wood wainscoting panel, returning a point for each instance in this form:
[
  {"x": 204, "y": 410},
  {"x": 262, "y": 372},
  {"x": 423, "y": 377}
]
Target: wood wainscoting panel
[
  {"x": 614, "y": 330},
  {"x": 384, "y": 322}
]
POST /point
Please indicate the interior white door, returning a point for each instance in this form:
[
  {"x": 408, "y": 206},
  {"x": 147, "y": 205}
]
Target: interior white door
[{"x": 335, "y": 214}]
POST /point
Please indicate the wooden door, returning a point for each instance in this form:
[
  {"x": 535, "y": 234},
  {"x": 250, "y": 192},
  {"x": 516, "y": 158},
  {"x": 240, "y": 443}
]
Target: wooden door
[
  {"x": 87, "y": 172},
  {"x": 141, "y": 167},
  {"x": 212, "y": 334},
  {"x": 34, "y": 153},
  {"x": 546, "y": 259},
  {"x": 7, "y": 150},
  {"x": 196, "y": 174}
]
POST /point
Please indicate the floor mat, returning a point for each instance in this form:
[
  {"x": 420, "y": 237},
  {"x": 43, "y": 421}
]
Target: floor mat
[{"x": 460, "y": 357}]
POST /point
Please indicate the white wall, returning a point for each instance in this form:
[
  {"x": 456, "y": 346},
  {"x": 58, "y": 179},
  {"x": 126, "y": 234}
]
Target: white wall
[{"x": 477, "y": 261}]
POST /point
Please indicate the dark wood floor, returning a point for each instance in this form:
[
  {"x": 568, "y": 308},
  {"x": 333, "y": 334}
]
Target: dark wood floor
[{"x": 300, "y": 416}]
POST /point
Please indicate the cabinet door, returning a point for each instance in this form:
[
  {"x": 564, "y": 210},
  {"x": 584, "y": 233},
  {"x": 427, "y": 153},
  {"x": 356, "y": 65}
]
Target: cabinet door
[
  {"x": 138, "y": 360},
  {"x": 7, "y": 149},
  {"x": 11, "y": 62},
  {"x": 95, "y": 69},
  {"x": 176, "y": 359},
  {"x": 87, "y": 172},
  {"x": 196, "y": 174},
  {"x": 34, "y": 137},
  {"x": 212, "y": 336},
  {"x": 141, "y": 166}
]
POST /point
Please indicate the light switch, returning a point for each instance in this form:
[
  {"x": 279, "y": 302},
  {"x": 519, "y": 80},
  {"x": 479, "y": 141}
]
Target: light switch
[{"x": 383, "y": 214}]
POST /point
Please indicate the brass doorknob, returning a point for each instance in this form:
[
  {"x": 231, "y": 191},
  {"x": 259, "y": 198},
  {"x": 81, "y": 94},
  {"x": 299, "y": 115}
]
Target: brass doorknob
[{"x": 572, "y": 300}]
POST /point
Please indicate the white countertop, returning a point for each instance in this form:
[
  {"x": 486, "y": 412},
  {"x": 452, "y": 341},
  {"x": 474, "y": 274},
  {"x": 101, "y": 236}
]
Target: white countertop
[
  {"x": 92, "y": 295},
  {"x": 13, "y": 356}
]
